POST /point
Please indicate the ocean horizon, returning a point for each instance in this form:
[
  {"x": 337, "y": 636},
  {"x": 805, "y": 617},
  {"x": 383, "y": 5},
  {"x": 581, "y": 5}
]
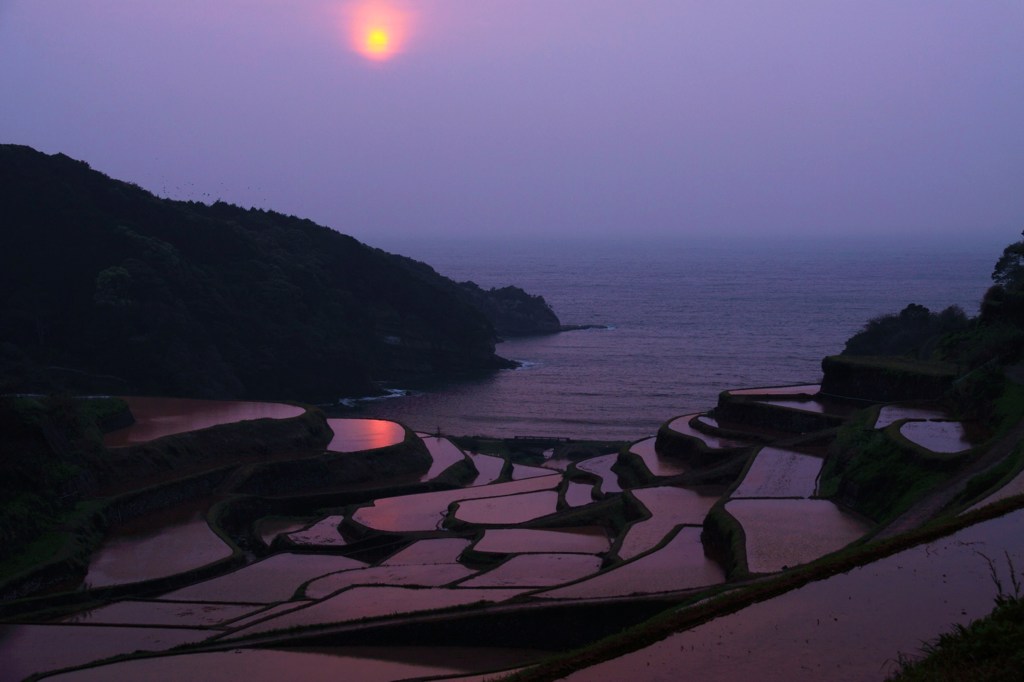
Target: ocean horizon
[{"x": 679, "y": 323}]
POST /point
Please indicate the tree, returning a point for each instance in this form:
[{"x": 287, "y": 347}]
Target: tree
[{"x": 1009, "y": 270}]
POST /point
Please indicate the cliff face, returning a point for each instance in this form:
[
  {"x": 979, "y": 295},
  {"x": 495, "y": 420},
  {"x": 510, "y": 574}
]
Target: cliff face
[{"x": 105, "y": 287}]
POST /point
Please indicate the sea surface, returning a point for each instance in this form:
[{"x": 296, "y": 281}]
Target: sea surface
[{"x": 683, "y": 322}]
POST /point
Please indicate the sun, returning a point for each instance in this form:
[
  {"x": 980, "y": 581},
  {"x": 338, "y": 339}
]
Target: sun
[{"x": 377, "y": 29}]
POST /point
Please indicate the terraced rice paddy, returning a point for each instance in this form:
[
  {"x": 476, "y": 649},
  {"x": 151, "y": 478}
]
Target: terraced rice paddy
[
  {"x": 579, "y": 494},
  {"x": 528, "y": 540},
  {"x": 175, "y": 614},
  {"x": 679, "y": 565},
  {"x": 509, "y": 509},
  {"x": 852, "y": 626},
  {"x": 801, "y": 389},
  {"x": 426, "y": 511},
  {"x": 173, "y": 541},
  {"x": 657, "y": 464},
  {"x": 323, "y": 533},
  {"x": 272, "y": 580},
  {"x": 371, "y": 602},
  {"x": 424, "y": 575},
  {"x": 158, "y": 417},
  {"x": 356, "y": 435},
  {"x": 682, "y": 426},
  {"x": 785, "y": 533},
  {"x": 937, "y": 436},
  {"x": 669, "y": 507},
  {"x": 894, "y": 413},
  {"x": 521, "y": 471},
  {"x": 439, "y": 551},
  {"x": 488, "y": 468},
  {"x": 270, "y": 528},
  {"x": 601, "y": 466},
  {"x": 537, "y": 570},
  {"x": 366, "y": 664},
  {"x": 776, "y": 472},
  {"x": 444, "y": 453}
]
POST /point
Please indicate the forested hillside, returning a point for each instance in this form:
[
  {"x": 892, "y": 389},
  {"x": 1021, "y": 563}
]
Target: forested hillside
[{"x": 106, "y": 287}]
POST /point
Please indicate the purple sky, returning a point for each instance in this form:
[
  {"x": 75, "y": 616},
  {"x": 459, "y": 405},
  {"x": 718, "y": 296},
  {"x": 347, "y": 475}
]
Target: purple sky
[{"x": 543, "y": 117}]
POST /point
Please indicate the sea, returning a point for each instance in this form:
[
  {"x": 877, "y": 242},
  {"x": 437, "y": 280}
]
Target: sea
[{"x": 678, "y": 323}]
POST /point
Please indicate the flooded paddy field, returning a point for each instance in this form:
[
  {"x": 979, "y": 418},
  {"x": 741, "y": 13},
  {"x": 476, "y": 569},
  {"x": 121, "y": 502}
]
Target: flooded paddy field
[
  {"x": 669, "y": 507},
  {"x": 890, "y": 414},
  {"x": 355, "y": 435},
  {"x": 526, "y": 543},
  {"x": 777, "y": 472},
  {"x": 158, "y": 417},
  {"x": 852, "y": 626},
  {"x": 366, "y": 664},
  {"x": 937, "y": 436},
  {"x": 527, "y": 540},
  {"x": 785, "y": 533},
  {"x": 683, "y": 426},
  {"x": 161, "y": 544},
  {"x": 657, "y": 464}
]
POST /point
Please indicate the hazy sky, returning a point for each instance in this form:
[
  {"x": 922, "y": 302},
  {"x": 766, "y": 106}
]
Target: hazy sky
[{"x": 387, "y": 119}]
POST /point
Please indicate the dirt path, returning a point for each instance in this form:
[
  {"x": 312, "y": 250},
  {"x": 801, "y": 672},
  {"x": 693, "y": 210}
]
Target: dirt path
[{"x": 933, "y": 504}]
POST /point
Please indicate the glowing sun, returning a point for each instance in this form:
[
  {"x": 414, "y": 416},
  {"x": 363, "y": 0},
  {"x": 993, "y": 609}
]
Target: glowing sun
[{"x": 377, "y": 29}]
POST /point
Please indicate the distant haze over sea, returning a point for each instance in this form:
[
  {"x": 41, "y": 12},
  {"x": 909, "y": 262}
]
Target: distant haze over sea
[{"x": 686, "y": 321}]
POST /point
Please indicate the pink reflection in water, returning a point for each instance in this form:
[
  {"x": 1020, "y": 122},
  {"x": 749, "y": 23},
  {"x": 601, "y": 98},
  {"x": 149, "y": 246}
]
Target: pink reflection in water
[
  {"x": 432, "y": 575},
  {"x": 26, "y": 649},
  {"x": 682, "y": 425},
  {"x": 937, "y": 436},
  {"x": 510, "y": 509},
  {"x": 273, "y": 579},
  {"x": 679, "y": 565},
  {"x": 444, "y": 453},
  {"x": 578, "y": 494},
  {"x": 602, "y": 466},
  {"x": 488, "y": 468},
  {"x": 440, "y": 551},
  {"x": 538, "y": 570},
  {"x": 179, "y": 614},
  {"x": 521, "y": 471},
  {"x": 365, "y": 664},
  {"x": 426, "y": 511},
  {"x": 369, "y": 602},
  {"x": 157, "y": 417},
  {"x": 776, "y": 472},
  {"x": 785, "y": 533},
  {"x": 158, "y": 545},
  {"x": 592, "y": 540},
  {"x": 655, "y": 463},
  {"x": 852, "y": 626},
  {"x": 355, "y": 435},
  {"x": 669, "y": 507}
]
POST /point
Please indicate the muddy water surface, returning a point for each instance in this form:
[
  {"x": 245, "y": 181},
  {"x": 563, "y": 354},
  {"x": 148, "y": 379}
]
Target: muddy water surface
[
  {"x": 776, "y": 472},
  {"x": 783, "y": 533},
  {"x": 178, "y": 614},
  {"x": 323, "y": 533},
  {"x": 578, "y": 494},
  {"x": 157, "y": 417},
  {"x": 157, "y": 545},
  {"x": 488, "y": 468},
  {"x": 850, "y": 627},
  {"x": 521, "y": 471}
]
